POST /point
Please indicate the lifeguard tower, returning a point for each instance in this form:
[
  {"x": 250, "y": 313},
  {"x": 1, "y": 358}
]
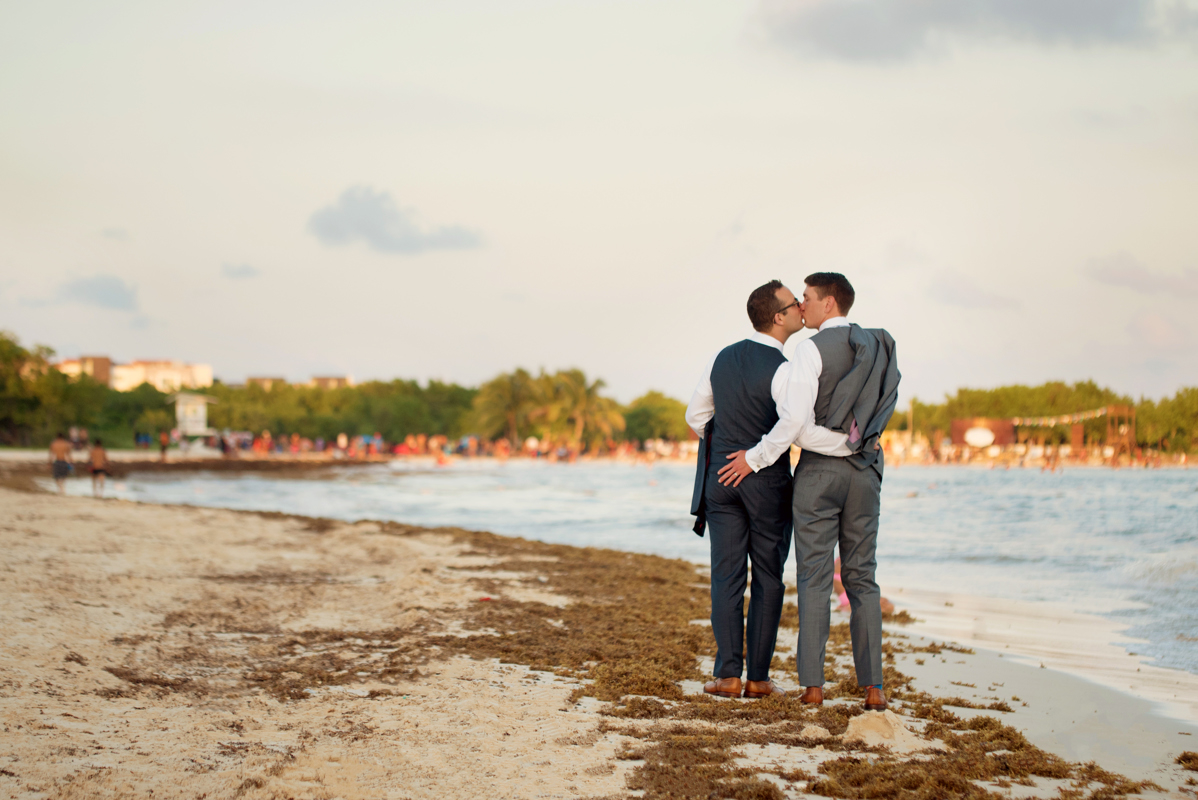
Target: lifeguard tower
[{"x": 191, "y": 413}]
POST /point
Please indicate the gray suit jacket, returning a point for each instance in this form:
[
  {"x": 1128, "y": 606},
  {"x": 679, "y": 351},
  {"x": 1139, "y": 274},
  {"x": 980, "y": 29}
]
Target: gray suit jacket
[{"x": 867, "y": 394}]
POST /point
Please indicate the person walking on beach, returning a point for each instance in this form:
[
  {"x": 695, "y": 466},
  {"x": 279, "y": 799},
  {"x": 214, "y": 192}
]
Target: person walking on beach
[
  {"x": 845, "y": 378},
  {"x": 98, "y": 463},
  {"x": 734, "y": 405},
  {"x": 60, "y": 460}
]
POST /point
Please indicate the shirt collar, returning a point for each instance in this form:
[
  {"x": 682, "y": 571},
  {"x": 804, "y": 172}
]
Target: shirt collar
[
  {"x": 766, "y": 339},
  {"x": 835, "y": 322}
]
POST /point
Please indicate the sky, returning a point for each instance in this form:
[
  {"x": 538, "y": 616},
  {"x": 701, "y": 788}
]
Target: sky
[{"x": 449, "y": 190}]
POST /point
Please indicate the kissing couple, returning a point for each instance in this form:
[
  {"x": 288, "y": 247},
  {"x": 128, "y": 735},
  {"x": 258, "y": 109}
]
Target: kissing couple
[{"x": 833, "y": 399}]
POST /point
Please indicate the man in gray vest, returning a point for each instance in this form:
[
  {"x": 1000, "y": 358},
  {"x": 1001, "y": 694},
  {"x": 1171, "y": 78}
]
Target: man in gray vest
[
  {"x": 845, "y": 378},
  {"x": 734, "y": 405}
]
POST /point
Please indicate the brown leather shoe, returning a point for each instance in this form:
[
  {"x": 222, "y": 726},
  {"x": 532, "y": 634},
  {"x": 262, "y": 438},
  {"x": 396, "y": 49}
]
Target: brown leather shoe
[
  {"x": 813, "y": 695},
  {"x": 723, "y": 687},
  {"x": 756, "y": 689},
  {"x": 874, "y": 699}
]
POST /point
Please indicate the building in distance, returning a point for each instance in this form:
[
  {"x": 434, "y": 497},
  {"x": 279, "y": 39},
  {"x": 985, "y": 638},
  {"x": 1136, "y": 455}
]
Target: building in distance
[
  {"x": 331, "y": 381},
  {"x": 98, "y": 367},
  {"x": 265, "y": 383},
  {"x": 165, "y": 376}
]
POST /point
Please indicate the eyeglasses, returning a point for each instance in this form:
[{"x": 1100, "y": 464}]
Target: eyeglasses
[{"x": 784, "y": 308}]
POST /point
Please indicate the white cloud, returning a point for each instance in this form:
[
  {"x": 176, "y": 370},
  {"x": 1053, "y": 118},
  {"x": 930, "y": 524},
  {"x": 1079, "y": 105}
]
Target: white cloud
[
  {"x": 955, "y": 289},
  {"x": 102, "y": 291},
  {"x": 890, "y": 30},
  {"x": 1158, "y": 331},
  {"x": 365, "y": 215},
  {"x": 240, "y": 271},
  {"x": 1126, "y": 272}
]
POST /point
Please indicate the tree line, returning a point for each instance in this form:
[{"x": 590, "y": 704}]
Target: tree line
[
  {"x": 565, "y": 406},
  {"x": 37, "y": 401},
  {"x": 1169, "y": 424}
]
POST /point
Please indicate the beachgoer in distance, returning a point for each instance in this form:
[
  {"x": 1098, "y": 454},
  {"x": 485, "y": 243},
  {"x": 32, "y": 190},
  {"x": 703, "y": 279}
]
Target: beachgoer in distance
[
  {"x": 734, "y": 405},
  {"x": 164, "y": 441},
  {"x": 60, "y": 460},
  {"x": 842, "y": 597},
  {"x": 98, "y": 463},
  {"x": 845, "y": 378}
]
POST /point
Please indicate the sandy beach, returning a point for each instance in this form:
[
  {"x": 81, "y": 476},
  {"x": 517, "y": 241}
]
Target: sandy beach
[{"x": 186, "y": 652}]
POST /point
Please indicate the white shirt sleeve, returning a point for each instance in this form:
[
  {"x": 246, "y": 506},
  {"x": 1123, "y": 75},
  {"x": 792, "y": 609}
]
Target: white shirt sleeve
[
  {"x": 701, "y": 408},
  {"x": 796, "y": 413},
  {"x": 819, "y": 439}
]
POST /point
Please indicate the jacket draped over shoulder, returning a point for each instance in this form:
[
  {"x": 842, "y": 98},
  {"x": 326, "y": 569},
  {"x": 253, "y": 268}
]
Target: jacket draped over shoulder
[{"x": 866, "y": 395}]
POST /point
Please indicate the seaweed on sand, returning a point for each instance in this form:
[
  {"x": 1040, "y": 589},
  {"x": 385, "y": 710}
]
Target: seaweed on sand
[{"x": 628, "y": 632}]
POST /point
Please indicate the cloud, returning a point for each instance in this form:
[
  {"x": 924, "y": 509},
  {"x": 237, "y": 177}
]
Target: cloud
[
  {"x": 954, "y": 289},
  {"x": 240, "y": 271},
  {"x": 1126, "y": 272},
  {"x": 102, "y": 291},
  {"x": 362, "y": 214},
  {"x": 892, "y": 30},
  {"x": 1158, "y": 332}
]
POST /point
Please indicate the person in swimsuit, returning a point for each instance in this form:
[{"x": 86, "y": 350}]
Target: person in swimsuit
[
  {"x": 60, "y": 460},
  {"x": 843, "y": 596},
  {"x": 98, "y": 461}
]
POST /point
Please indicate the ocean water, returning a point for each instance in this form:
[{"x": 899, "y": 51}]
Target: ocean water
[{"x": 1119, "y": 543}]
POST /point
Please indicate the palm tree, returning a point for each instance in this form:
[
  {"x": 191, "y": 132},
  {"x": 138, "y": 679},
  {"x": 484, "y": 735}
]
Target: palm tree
[
  {"x": 504, "y": 404},
  {"x": 584, "y": 409}
]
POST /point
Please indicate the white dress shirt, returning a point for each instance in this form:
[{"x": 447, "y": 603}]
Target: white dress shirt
[
  {"x": 807, "y": 435},
  {"x": 796, "y": 412}
]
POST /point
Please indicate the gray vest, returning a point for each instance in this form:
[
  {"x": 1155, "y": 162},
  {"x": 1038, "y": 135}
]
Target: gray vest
[{"x": 838, "y": 356}]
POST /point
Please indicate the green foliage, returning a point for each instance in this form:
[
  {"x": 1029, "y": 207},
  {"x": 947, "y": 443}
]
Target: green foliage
[
  {"x": 393, "y": 408},
  {"x": 1170, "y": 424},
  {"x": 503, "y": 404},
  {"x": 36, "y": 401},
  {"x": 653, "y": 415},
  {"x": 563, "y": 406}
]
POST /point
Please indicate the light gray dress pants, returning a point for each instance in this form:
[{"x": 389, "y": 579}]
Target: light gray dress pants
[{"x": 837, "y": 504}]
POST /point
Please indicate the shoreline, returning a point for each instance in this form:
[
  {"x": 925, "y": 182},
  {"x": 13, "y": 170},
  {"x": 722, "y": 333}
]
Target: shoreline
[
  {"x": 1056, "y": 637},
  {"x": 211, "y": 459},
  {"x": 1082, "y": 644},
  {"x": 112, "y": 619}
]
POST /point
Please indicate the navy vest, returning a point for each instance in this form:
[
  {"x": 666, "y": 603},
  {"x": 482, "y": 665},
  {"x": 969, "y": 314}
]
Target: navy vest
[
  {"x": 744, "y": 412},
  {"x": 744, "y": 405}
]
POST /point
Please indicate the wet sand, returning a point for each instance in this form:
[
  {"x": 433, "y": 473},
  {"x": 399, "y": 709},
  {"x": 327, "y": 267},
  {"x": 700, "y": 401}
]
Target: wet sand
[{"x": 206, "y": 653}]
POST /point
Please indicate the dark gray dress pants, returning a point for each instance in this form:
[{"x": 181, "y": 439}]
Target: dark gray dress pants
[
  {"x": 750, "y": 522},
  {"x": 836, "y": 503}
]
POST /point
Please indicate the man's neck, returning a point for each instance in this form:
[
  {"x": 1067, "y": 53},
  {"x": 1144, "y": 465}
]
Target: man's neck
[
  {"x": 833, "y": 319},
  {"x": 778, "y": 333}
]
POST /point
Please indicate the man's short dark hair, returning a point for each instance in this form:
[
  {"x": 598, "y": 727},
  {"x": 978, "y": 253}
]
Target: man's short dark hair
[
  {"x": 763, "y": 304},
  {"x": 835, "y": 284}
]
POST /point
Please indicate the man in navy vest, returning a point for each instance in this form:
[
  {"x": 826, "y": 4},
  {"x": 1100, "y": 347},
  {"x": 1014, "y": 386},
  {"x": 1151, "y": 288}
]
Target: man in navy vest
[
  {"x": 845, "y": 378},
  {"x": 734, "y": 405}
]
